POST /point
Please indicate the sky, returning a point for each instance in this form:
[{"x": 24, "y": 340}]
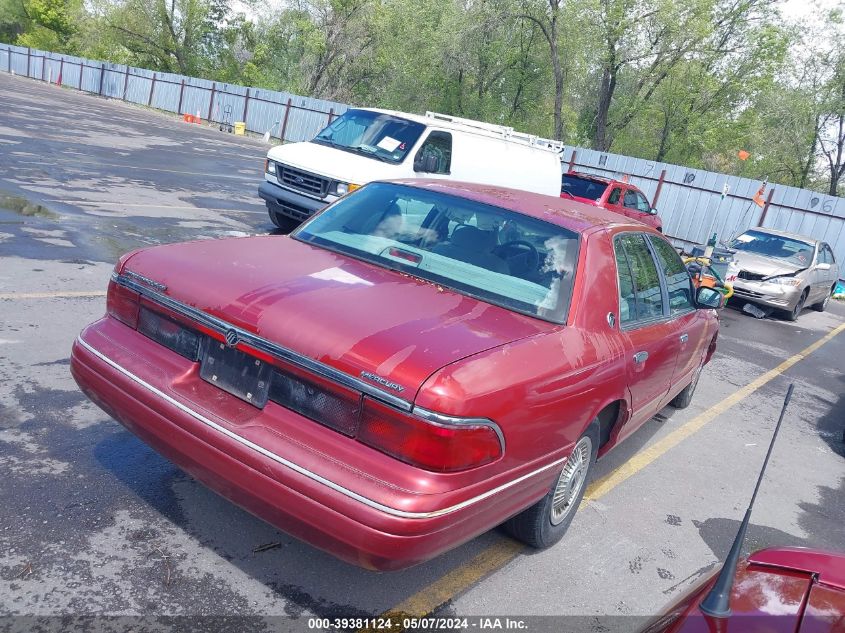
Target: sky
[{"x": 798, "y": 9}]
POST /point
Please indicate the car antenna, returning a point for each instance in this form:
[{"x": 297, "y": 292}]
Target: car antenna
[{"x": 717, "y": 602}]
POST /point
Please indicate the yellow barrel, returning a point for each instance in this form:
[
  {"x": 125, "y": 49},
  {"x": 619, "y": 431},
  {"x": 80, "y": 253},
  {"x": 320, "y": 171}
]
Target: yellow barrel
[{"x": 240, "y": 127}]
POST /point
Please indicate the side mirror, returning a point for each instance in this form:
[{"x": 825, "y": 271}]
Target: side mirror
[
  {"x": 709, "y": 298},
  {"x": 823, "y": 266},
  {"x": 652, "y": 211}
]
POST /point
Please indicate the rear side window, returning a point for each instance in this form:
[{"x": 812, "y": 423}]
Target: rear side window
[
  {"x": 627, "y": 291},
  {"x": 678, "y": 281},
  {"x": 641, "y": 280},
  {"x": 437, "y": 149}
]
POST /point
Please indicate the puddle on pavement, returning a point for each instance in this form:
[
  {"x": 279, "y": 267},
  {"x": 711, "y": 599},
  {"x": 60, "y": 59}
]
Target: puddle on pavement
[{"x": 21, "y": 205}]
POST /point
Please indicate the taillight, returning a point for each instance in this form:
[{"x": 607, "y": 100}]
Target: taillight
[
  {"x": 123, "y": 303},
  {"x": 427, "y": 444},
  {"x": 172, "y": 335}
]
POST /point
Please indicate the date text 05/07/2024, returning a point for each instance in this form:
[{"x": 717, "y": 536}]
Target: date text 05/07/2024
[{"x": 398, "y": 623}]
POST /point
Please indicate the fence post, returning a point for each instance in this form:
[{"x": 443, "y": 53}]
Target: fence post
[
  {"x": 28, "y": 57},
  {"x": 9, "y": 59},
  {"x": 766, "y": 207},
  {"x": 659, "y": 187},
  {"x": 81, "y": 70},
  {"x": 61, "y": 68},
  {"x": 331, "y": 115},
  {"x": 43, "y": 65},
  {"x": 572, "y": 160},
  {"x": 125, "y": 84},
  {"x": 181, "y": 94},
  {"x": 246, "y": 104},
  {"x": 285, "y": 123},
  {"x": 152, "y": 89},
  {"x": 102, "y": 77},
  {"x": 211, "y": 101}
]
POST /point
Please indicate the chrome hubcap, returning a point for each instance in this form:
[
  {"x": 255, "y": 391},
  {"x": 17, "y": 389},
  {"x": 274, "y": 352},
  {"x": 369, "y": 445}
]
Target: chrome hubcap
[{"x": 571, "y": 480}]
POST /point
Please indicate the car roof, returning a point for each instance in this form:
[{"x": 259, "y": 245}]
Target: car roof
[
  {"x": 795, "y": 236},
  {"x": 570, "y": 214}
]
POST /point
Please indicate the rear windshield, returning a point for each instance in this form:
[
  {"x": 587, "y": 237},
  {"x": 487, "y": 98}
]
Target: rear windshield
[
  {"x": 493, "y": 254},
  {"x": 372, "y": 134},
  {"x": 770, "y": 245},
  {"x": 582, "y": 187}
]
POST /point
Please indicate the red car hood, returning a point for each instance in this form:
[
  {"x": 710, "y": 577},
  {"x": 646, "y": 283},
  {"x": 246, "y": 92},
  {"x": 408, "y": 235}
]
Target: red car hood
[{"x": 347, "y": 313}]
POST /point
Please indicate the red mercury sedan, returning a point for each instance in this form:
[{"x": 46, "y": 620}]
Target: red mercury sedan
[{"x": 418, "y": 363}]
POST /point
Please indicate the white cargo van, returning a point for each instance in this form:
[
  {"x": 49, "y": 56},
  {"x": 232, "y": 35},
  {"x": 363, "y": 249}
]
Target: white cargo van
[{"x": 363, "y": 145}]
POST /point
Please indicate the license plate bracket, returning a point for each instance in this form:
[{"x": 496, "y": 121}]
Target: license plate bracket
[{"x": 239, "y": 374}]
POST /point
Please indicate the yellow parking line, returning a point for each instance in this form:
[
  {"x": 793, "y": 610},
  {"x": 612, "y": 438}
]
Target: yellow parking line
[
  {"x": 52, "y": 295},
  {"x": 502, "y": 552}
]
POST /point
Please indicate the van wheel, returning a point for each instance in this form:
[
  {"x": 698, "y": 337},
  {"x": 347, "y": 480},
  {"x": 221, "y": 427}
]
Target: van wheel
[
  {"x": 283, "y": 222},
  {"x": 821, "y": 306},
  {"x": 544, "y": 524}
]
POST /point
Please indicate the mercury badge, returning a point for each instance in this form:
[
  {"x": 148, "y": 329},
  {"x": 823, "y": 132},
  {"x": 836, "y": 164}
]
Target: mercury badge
[
  {"x": 231, "y": 338},
  {"x": 384, "y": 382}
]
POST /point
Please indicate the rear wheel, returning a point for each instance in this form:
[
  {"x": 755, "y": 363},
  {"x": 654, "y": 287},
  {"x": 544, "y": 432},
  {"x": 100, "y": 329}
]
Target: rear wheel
[
  {"x": 544, "y": 524},
  {"x": 821, "y": 306},
  {"x": 796, "y": 311},
  {"x": 283, "y": 222}
]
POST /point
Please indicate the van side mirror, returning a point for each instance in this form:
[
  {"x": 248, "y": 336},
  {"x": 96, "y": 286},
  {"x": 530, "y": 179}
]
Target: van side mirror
[
  {"x": 709, "y": 298},
  {"x": 652, "y": 211},
  {"x": 823, "y": 266}
]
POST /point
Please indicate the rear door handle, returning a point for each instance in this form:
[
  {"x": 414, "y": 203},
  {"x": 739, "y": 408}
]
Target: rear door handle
[
  {"x": 684, "y": 337},
  {"x": 640, "y": 357}
]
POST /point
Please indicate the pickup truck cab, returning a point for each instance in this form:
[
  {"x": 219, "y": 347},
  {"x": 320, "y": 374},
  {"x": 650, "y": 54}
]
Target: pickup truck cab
[{"x": 363, "y": 145}]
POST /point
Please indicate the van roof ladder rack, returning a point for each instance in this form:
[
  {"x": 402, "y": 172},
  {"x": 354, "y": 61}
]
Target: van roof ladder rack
[{"x": 502, "y": 130}]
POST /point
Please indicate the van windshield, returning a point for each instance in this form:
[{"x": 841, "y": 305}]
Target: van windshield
[
  {"x": 375, "y": 135},
  {"x": 486, "y": 252}
]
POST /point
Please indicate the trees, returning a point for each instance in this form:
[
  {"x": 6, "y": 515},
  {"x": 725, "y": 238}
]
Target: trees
[
  {"x": 181, "y": 36},
  {"x": 830, "y": 126},
  {"x": 44, "y": 24}
]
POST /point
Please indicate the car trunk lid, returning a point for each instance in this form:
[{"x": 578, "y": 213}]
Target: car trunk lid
[{"x": 363, "y": 320}]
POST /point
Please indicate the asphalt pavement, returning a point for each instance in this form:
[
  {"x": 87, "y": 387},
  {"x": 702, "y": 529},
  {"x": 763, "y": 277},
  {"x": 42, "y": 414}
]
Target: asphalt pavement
[{"x": 93, "y": 522}]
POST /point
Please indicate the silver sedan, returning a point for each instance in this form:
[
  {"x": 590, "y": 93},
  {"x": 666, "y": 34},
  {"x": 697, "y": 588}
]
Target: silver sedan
[{"x": 783, "y": 270}]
